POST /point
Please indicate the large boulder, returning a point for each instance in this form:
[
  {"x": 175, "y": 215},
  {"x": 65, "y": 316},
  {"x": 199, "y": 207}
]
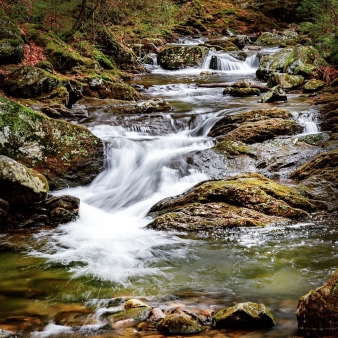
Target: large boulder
[
  {"x": 28, "y": 82},
  {"x": 177, "y": 57},
  {"x": 255, "y": 126},
  {"x": 317, "y": 311},
  {"x": 68, "y": 155},
  {"x": 320, "y": 176},
  {"x": 11, "y": 43},
  {"x": 297, "y": 60},
  {"x": 285, "y": 81},
  {"x": 284, "y": 38},
  {"x": 21, "y": 186},
  {"x": 244, "y": 316},
  {"x": 244, "y": 200}
]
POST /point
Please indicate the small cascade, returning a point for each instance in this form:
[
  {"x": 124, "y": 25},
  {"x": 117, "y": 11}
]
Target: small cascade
[
  {"x": 308, "y": 120},
  {"x": 226, "y": 62}
]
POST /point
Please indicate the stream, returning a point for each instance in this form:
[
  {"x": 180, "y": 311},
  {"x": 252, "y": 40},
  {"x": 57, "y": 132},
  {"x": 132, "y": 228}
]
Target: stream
[{"x": 107, "y": 255}]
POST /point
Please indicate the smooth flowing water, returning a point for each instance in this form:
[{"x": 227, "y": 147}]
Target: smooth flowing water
[{"x": 107, "y": 255}]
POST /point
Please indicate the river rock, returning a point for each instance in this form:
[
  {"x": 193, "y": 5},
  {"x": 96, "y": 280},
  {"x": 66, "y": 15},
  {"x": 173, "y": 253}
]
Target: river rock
[
  {"x": 297, "y": 60},
  {"x": 178, "y": 57},
  {"x": 320, "y": 176},
  {"x": 284, "y": 38},
  {"x": 275, "y": 94},
  {"x": 20, "y": 186},
  {"x": 134, "y": 303},
  {"x": 244, "y": 200},
  {"x": 244, "y": 316},
  {"x": 285, "y": 81},
  {"x": 329, "y": 117},
  {"x": 67, "y": 155},
  {"x": 28, "y": 82},
  {"x": 313, "y": 85},
  {"x": 60, "y": 111},
  {"x": 178, "y": 323},
  {"x": 75, "y": 318},
  {"x": 240, "y": 92},
  {"x": 152, "y": 105},
  {"x": 131, "y": 315},
  {"x": 220, "y": 44},
  {"x": 317, "y": 310},
  {"x": 232, "y": 121},
  {"x": 11, "y": 43}
]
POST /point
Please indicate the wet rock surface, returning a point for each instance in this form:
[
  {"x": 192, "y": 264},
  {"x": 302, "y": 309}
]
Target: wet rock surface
[
  {"x": 317, "y": 310},
  {"x": 244, "y": 200},
  {"x": 66, "y": 154},
  {"x": 244, "y": 316}
]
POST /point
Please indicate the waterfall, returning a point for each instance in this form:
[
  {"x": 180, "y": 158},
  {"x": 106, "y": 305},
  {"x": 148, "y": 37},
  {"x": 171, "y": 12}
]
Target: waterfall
[
  {"x": 226, "y": 62},
  {"x": 309, "y": 120}
]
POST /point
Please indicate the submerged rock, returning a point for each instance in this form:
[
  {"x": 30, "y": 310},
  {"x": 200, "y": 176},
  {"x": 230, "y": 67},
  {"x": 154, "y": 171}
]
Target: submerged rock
[
  {"x": 177, "y": 57},
  {"x": 317, "y": 310},
  {"x": 178, "y": 323},
  {"x": 275, "y": 94},
  {"x": 244, "y": 316},
  {"x": 244, "y": 200},
  {"x": 66, "y": 154}
]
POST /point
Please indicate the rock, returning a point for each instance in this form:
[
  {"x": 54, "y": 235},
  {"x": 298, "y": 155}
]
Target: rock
[
  {"x": 4, "y": 208},
  {"x": 224, "y": 45},
  {"x": 152, "y": 105},
  {"x": 20, "y": 186},
  {"x": 244, "y": 316},
  {"x": 313, "y": 85},
  {"x": 317, "y": 310},
  {"x": 59, "y": 111},
  {"x": 134, "y": 303},
  {"x": 329, "y": 117},
  {"x": 275, "y": 94},
  {"x": 178, "y": 323},
  {"x": 240, "y": 92},
  {"x": 320, "y": 176},
  {"x": 11, "y": 43},
  {"x": 238, "y": 40},
  {"x": 28, "y": 82},
  {"x": 67, "y": 155},
  {"x": 285, "y": 81},
  {"x": 177, "y": 57},
  {"x": 45, "y": 65},
  {"x": 156, "y": 315},
  {"x": 233, "y": 121},
  {"x": 132, "y": 315},
  {"x": 61, "y": 209},
  {"x": 103, "y": 89},
  {"x": 255, "y": 126},
  {"x": 244, "y": 200},
  {"x": 297, "y": 60},
  {"x": 285, "y": 38}
]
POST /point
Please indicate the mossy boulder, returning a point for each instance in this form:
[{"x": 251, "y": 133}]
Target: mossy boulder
[
  {"x": 21, "y": 186},
  {"x": 255, "y": 126},
  {"x": 178, "y": 57},
  {"x": 136, "y": 315},
  {"x": 317, "y": 310},
  {"x": 285, "y": 81},
  {"x": 297, "y": 60},
  {"x": 66, "y": 154},
  {"x": 11, "y": 43},
  {"x": 313, "y": 85},
  {"x": 284, "y": 38},
  {"x": 244, "y": 316},
  {"x": 244, "y": 200},
  {"x": 233, "y": 121},
  {"x": 224, "y": 45},
  {"x": 178, "y": 323},
  {"x": 275, "y": 94},
  {"x": 241, "y": 92},
  {"x": 29, "y": 82}
]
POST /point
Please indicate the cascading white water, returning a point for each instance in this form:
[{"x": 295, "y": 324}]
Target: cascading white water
[
  {"x": 309, "y": 121},
  {"x": 226, "y": 62},
  {"x": 109, "y": 237}
]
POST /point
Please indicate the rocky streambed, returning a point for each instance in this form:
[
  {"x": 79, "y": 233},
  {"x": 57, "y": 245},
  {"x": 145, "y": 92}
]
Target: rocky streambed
[{"x": 206, "y": 200}]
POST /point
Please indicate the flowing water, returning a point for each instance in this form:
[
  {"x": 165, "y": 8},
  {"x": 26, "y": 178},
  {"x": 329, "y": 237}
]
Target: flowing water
[{"x": 107, "y": 255}]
